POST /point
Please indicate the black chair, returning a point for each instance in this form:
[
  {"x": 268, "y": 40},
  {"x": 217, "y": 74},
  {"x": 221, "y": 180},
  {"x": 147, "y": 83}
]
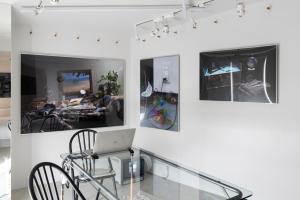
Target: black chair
[
  {"x": 84, "y": 141},
  {"x": 53, "y": 122},
  {"x": 43, "y": 183}
]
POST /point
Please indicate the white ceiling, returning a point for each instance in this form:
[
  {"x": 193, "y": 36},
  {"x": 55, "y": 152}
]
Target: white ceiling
[
  {"x": 221, "y": 3},
  {"x": 90, "y": 13},
  {"x": 100, "y": 2}
]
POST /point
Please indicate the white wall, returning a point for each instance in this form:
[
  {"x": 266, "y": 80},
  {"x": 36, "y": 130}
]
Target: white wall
[
  {"x": 249, "y": 144},
  {"x": 28, "y": 150},
  {"x": 5, "y": 27},
  {"x": 252, "y": 145},
  {"x": 5, "y": 43}
]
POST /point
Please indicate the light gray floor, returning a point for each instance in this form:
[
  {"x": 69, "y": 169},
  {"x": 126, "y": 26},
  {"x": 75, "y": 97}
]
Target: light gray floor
[
  {"x": 5, "y": 173},
  {"x": 152, "y": 188}
]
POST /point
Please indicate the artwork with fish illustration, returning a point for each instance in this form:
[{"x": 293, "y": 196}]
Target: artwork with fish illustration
[
  {"x": 240, "y": 75},
  {"x": 159, "y": 93}
]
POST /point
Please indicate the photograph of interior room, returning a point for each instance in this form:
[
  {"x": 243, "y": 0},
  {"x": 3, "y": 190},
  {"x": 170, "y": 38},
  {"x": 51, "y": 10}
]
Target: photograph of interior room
[{"x": 216, "y": 150}]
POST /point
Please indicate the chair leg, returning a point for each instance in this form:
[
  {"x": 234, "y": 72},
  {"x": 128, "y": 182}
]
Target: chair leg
[
  {"x": 77, "y": 183},
  {"x": 115, "y": 186},
  {"x": 73, "y": 178},
  {"x": 62, "y": 192},
  {"x": 99, "y": 190},
  {"x": 98, "y": 194},
  {"x": 113, "y": 178}
]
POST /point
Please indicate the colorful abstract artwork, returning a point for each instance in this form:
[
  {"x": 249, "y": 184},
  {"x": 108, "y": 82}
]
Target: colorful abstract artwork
[
  {"x": 239, "y": 75},
  {"x": 159, "y": 93}
]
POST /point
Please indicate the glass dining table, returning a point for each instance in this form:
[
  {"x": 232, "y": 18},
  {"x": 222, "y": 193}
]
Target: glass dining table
[{"x": 143, "y": 175}]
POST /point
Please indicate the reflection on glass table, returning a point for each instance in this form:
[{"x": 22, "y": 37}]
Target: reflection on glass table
[{"x": 146, "y": 176}]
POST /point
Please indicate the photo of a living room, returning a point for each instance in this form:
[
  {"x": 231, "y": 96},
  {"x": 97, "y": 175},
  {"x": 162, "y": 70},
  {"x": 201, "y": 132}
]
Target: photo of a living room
[{"x": 64, "y": 93}]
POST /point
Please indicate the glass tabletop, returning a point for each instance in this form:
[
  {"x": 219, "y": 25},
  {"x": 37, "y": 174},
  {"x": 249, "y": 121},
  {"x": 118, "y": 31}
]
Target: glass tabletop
[{"x": 146, "y": 176}]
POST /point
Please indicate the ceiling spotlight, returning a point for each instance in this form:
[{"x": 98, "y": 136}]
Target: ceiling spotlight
[
  {"x": 39, "y": 8},
  {"x": 54, "y": 2},
  {"x": 144, "y": 40},
  {"x": 241, "y": 9},
  {"x": 175, "y": 32},
  {"x": 195, "y": 25},
  {"x": 99, "y": 39},
  {"x": 166, "y": 29},
  {"x": 153, "y": 34},
  {"x": 137, "y": 38}
]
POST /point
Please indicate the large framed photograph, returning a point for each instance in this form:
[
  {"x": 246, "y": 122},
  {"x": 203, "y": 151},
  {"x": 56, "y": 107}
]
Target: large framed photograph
[
  {"x": 66, "y": 93},
  {"x": 159, "y": 93},
  {"x": 240, "y": 75},
  {"x": 74, "y": 81}
]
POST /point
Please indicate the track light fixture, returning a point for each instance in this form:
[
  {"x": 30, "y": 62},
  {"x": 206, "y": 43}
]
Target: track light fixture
[
  {"x": 195, "y": 25},
  {"x": 137, "y": 38},
  {"x": 202, "y": 3},
  {"x": 39, "y": 8},
  {"x": 54, "y": 2},
  {"x": 166, "y": 29},
  {"x": 156, "y": 30},
  {"x": 162, "y": 24}
]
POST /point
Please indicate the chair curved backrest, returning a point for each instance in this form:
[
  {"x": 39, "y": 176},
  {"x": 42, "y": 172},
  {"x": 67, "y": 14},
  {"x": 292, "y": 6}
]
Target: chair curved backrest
[
  {"x": 43, "y": 185},
  {"x": 84, "y": 138},
  {"x": 84, "y": 141}
]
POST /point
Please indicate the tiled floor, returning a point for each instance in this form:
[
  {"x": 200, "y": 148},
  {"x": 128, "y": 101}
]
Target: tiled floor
[{"x": 5, "y": 173}]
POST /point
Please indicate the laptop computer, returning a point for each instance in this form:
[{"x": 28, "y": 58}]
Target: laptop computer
[{"x": 113, "y": 141}]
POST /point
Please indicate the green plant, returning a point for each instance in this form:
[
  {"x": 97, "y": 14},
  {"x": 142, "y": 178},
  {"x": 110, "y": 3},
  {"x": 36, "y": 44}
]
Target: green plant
[{"x": 110, "y": 83}]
